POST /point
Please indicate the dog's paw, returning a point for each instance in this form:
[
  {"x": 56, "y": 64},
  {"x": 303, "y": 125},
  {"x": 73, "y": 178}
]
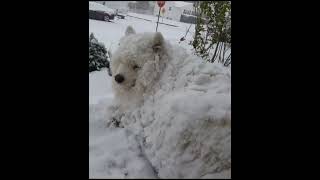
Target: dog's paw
[
  {"x": 113, "y": 123},
  {"x": 116, "y": 123},
  {"x": 114, "y": 119}
]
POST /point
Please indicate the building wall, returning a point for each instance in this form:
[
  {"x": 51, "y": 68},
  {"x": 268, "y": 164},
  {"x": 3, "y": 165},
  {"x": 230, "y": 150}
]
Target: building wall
[
  {"x": 175, "y": 12},
  {"x": 117, "y": 4},
  {"x": 188, "y": 7}
]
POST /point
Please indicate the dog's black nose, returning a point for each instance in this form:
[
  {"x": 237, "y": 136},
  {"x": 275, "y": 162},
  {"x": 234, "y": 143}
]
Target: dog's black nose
[{"x": 119, "y": 78}]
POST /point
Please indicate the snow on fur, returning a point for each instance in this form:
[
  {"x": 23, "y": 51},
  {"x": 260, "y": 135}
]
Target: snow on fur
[{"x": 184, "y": 112}]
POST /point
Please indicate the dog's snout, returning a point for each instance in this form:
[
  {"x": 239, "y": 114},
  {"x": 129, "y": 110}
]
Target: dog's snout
[{"x": 119, "y": 78}]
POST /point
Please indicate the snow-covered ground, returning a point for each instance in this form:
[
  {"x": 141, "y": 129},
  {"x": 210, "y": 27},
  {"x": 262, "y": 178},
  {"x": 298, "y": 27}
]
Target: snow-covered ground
[
  {"x": 110, "y": 33},
  {"x": 113, "y": 152},
  {"x": 118, "y": 152}
]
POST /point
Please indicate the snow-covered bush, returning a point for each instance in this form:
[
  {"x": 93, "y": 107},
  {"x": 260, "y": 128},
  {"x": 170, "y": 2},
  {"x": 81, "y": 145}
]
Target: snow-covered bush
[
  {"x": 99, "y": 57},
  {"x": 212, "y": 39}
]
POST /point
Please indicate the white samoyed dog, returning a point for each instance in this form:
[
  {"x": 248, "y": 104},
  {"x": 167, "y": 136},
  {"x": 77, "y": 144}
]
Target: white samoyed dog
[
  {"x": 136, "y": 65},
  {"x": 179, "y": 105}
]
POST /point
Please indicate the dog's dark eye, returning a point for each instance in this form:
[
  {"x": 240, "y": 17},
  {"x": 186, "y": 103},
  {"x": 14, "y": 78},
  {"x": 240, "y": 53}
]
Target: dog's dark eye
[{"x": 135, "y": 67}]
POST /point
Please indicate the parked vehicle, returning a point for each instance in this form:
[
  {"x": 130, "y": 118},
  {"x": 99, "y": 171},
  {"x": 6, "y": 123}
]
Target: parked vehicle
[
  {"x": 100, "y": 12},
  {"x": 121, "y": 13}
]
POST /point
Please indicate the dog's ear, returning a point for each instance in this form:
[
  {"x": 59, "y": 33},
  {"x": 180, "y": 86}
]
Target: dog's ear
[
  {"x": 130, "y": 30},
  {"x": 158, "y": 42}
]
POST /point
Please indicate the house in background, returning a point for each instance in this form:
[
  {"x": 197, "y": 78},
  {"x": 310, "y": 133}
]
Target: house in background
[
  {"x": 120, "y": 5},
  {"x": 177, "y": 11},
  {"x": 174, "y": 10},
  {"x": 130, "y": 6}
]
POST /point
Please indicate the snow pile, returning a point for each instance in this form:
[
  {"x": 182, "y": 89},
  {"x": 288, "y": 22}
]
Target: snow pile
[
  {"x": 186, "y": 124},
  {"x": 99, "y": 86},
  {"x": 113, "y": 152}
]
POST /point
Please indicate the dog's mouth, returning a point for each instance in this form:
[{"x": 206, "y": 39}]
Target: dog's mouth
[{"x": 127, "y": 86}]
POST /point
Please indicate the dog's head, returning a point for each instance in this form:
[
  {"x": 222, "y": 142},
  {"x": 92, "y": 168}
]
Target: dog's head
[{"x": 134, "y": 63}]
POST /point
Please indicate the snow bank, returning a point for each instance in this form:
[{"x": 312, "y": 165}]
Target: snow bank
[
  {"x": 186, "y": 123},
  {"x": 113, "y": 152},
  {"x": 99, "y": 86}
]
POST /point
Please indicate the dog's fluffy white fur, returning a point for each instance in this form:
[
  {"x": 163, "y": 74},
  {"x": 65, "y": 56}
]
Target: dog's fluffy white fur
[
  {"x": 184, "y": 106},
  {"x": 139, "y": 59}
]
